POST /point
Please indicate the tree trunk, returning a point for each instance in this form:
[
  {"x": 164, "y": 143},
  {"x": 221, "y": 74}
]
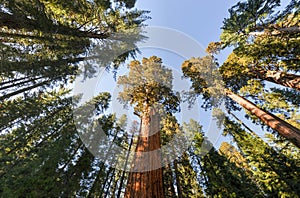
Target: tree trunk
[
  {"x": 145, "y": 178},
  {"x": 102, "y": 167},
  {"x": 18, "y": 23},
  {"x": 277, "y": 31},
  {"x": 282, "y": 127},
  {"x": 14, "y": 80},
  {"x": 126, "y": 163},
  {"x": 279, "y": 77},
  {"x": 169, "y": 190},
  {"x": 26, "y": 89},
  {"x": 21, "y": 83},
  {"x": 178, "y": 183}
]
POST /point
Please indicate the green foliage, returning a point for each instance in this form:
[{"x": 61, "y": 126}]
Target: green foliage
[
  {"x": 180, "y": 174},
  {"x": 262, "y": 37},
  {"x": 44, "y": 42},
  {"x": 44, "y": 155},
  {"x": 148, "y": 83},
  {"x": 246, "y": 16},
  {"x": 43, "y": 45},
  {"x": 275, "y": 173},
  {"x": 265, "y": 56},
  {"x": 218, "y": 176},
  {"x": 206, "y": 80}
]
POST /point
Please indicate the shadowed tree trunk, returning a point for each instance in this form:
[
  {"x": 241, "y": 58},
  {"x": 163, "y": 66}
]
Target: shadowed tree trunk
[
  {"x": 178, "y": 183},
  {"x": 279, "y": 77},
  {"x": 169, "y": 190},
  {"x": 282, "y": 127},
  {"x": 145, "y": 178},
  {"x": 276, "y": 31}
]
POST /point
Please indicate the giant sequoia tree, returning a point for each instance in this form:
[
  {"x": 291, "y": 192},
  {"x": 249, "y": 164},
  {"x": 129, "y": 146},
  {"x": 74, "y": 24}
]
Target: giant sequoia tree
[
  {"x": 266, "y": 49},
  {"x": 264, "y": 58},
  {"x": 148, "y": 87}
]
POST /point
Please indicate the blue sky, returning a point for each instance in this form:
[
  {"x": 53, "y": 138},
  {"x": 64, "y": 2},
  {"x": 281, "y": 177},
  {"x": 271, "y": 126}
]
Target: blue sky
[{"x": 201, "y": 20}]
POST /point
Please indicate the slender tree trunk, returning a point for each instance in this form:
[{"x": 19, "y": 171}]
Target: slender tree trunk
[
  {"x": 279, "y": 77},
  {"x": 125, "y": 166},
  {"x": 282, "y": 127},
  {"x": 202, "y": 171},
  {"x": 169, "y": 190},
  {"x": 102, "y": 167},
  {"x": 47, "y": 82},
  {"x": 20, "y": 83},
  {"x": 107, "y": 182},
  {"x": 145, "y": 179},
  {"x": 13, "y": 80}
]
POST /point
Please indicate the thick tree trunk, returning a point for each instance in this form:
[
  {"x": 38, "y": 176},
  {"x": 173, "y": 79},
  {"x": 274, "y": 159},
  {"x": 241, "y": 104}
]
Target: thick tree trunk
[
  {"x": 145, "y": 179},
  {"x": 279, "y": 77},
  {"x": 283, "y": 128}
]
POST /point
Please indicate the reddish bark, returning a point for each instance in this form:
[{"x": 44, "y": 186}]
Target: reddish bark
[
  {"x": 281, "y": 78},
  {"x": 282, "y": 127},
  {"x": 145, "y": 179}
]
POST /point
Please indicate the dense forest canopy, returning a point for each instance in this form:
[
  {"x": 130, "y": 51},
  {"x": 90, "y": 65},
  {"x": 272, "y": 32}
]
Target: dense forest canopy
[{"x": 46, "y": 44}]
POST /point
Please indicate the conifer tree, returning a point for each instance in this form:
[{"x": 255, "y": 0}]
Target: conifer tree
[
  {"x": 47, "y": 157},
  {"x": 221, "y": 178},
  {"x": 275, "y": 173},
  {"x": 196, "y": 69},
  {"x": 43, "y": 41},
  {"x": 147, "y": 87}
]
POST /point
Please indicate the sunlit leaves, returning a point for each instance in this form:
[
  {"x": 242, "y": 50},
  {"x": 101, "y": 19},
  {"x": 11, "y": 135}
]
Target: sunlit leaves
[{"x": 148, "y": 83}]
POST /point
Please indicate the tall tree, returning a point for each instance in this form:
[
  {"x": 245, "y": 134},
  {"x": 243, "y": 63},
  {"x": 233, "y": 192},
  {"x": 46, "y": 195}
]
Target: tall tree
[
  {"x": 42, "y": 46},
  {"x": 179, "y": 174},
  {"x": 148, "y": 87},
  {"x": 221, "y": 178},
  {"x": 186, "y": 179},
  {"x": 196, "y": 68},
  {"x": 275, "y": 173},
  {"x": 47, "y": 157},
  {"x": 285, "y": 129}
]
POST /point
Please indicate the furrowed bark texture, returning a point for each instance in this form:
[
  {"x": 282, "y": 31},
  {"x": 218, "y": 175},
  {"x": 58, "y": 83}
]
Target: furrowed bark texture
[{"x": 145, "y": 179}]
